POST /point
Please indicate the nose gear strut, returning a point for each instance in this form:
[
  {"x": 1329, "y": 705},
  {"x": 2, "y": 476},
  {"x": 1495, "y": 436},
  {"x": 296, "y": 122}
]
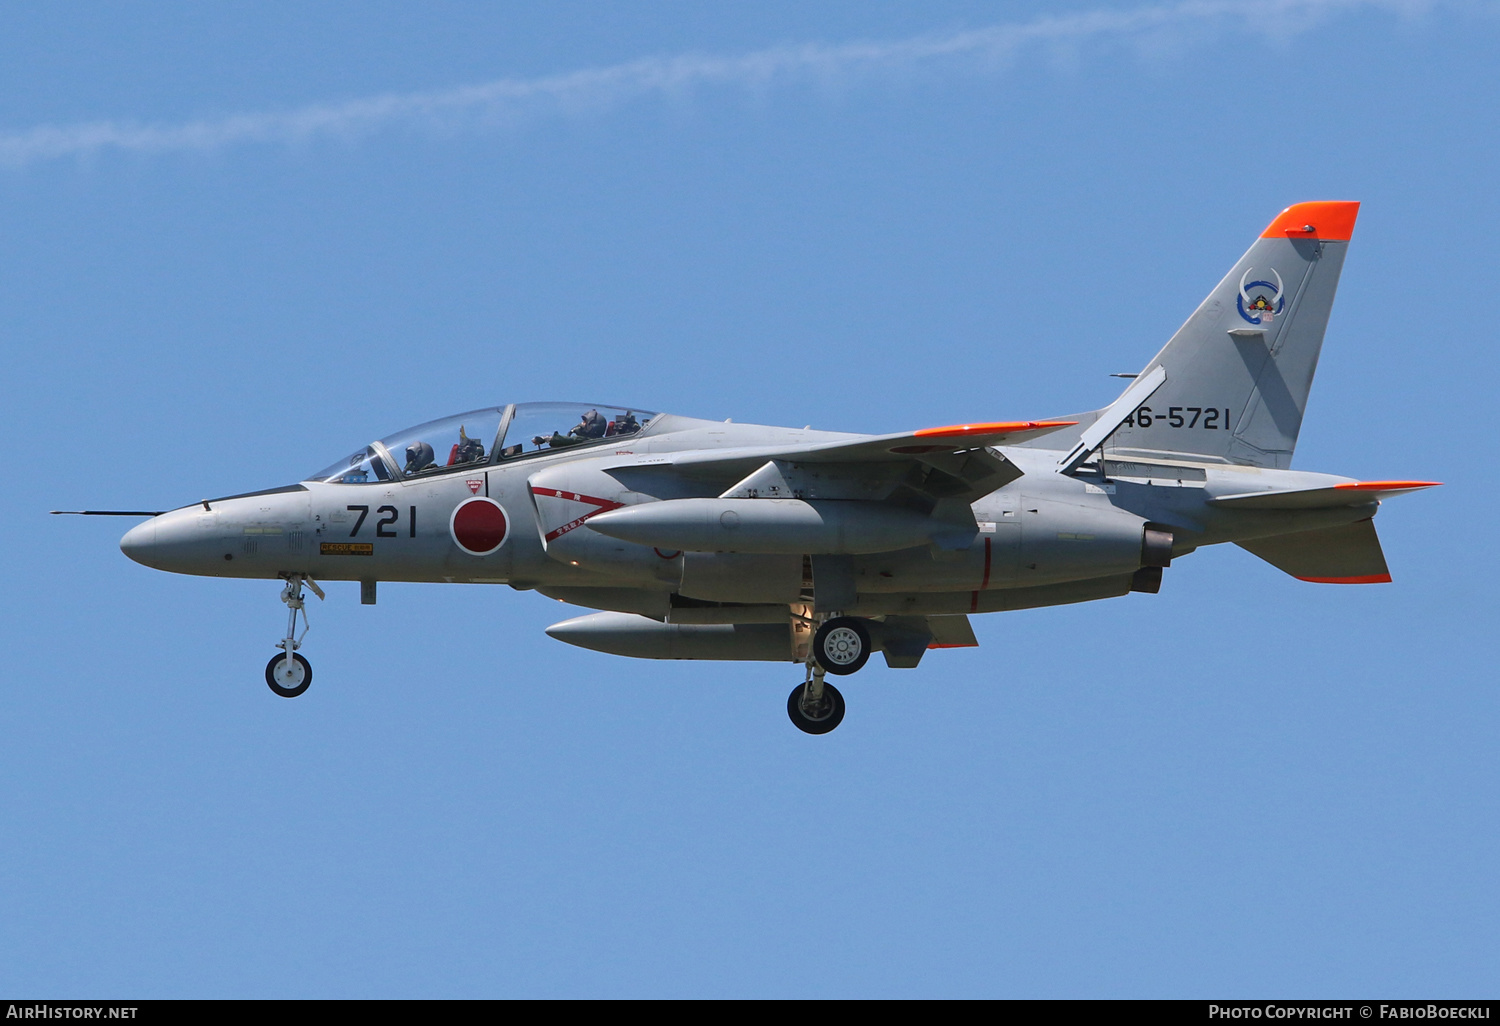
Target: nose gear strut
[
  {"x": 815, "y": 705},
  {"x": 289, "y": 674}
]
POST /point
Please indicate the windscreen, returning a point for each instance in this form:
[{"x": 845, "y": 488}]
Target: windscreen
[
  {"x": 460, "y": 441},
  {"x": 364, "y": 466}
]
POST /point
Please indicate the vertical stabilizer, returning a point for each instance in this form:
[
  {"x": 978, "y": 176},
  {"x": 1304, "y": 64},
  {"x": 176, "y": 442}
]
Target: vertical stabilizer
[{"x": 1239, "y": 371}]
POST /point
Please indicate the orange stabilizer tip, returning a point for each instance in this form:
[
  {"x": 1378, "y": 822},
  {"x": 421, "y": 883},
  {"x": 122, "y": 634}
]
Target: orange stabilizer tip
[
  {"x": 999, "y": 428},
  {"x": 1366, "y": 579},
  {"x": 1385, "y": 486},
  {"x": 1324, "y": 219}
]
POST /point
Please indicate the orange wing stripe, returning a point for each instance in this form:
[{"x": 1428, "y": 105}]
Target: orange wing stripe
[
  {"x": 999, "y": 428},
  {"x": 1384, "y": 486},
  {"x": 1328, "y": 219},
  {"x": 1366, "y": 579}
]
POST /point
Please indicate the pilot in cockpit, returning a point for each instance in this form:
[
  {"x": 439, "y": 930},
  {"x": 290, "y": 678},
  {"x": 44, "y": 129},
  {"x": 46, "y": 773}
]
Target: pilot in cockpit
[
  {"x": 418, "y": 457},
  {"x": 590, "y": 426}
]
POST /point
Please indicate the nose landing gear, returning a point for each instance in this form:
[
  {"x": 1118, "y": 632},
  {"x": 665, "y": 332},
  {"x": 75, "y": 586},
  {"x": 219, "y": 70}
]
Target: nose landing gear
[
  {"x": 289, "y": 674},
  {"x": 289, "y": 678},
  {"x": 816, "y": 706}
]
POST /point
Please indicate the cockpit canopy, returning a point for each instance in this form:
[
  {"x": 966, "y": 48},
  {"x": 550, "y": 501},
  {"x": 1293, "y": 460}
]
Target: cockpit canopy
[{"x": 485, "y": 437}]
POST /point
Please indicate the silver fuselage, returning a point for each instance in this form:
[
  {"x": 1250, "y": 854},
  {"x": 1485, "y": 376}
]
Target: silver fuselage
[{"x": 1073, "y": 536}]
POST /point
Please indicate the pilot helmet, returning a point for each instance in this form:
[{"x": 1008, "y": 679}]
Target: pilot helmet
[{"x": 418, "y": 455}]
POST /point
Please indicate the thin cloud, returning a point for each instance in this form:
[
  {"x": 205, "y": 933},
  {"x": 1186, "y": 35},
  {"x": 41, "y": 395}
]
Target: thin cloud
[{"x": 489, "y": 103}]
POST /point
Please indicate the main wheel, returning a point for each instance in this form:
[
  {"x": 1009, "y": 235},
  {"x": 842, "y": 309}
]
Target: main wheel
[
  {"x": 288, "y": 678},
  {"x": 819, "y": 718},
  {"x": 842, "y": 645}
]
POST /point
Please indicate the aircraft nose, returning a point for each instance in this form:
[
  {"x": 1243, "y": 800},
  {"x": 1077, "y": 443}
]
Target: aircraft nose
[{"x": 139, "y": 541}]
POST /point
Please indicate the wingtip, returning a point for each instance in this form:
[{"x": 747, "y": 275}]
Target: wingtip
[
  {"x": 991, "y": 428},
  {"x": 1362, "y": 579},
  {"x": 1386, "y": 486}
]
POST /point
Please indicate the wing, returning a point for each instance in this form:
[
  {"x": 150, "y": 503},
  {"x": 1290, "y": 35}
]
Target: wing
[
  {"x": 925, "y": 478},
  {"x": 949, "y": 440},
  {"x": 916, "y": 467},
  {"x": 927, "y": 442}
]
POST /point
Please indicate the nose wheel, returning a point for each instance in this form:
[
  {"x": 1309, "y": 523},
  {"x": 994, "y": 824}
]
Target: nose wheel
[
  {"x": 289, "y": 674},
  {"x": 288, "y": 677},
  {"x": 816, "y": 707}
]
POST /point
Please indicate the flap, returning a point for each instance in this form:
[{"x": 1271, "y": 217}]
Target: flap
[
  {"x": 1347, "y": 554},
  {"x": 951, "y": 632},
  {"x": 904, "y": 639},
  {"x": 1352, "y": 493}
]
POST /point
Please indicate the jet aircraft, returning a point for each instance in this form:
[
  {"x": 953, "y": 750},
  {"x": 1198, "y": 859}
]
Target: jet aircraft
[{"x": 699, "y": 539}]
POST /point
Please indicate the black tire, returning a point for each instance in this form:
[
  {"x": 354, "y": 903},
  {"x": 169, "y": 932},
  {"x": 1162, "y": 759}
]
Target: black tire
[
  {"x": 305, "y": 671},
  {"x": 842, "y": 645},
  {"x": 816, "y": 721}
]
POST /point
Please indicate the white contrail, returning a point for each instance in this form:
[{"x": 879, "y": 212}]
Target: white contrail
[{"x": 489, "y": 102}]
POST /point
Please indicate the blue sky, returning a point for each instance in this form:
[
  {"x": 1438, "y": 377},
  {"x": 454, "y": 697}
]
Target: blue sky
[{"x": 240, "y": 240}]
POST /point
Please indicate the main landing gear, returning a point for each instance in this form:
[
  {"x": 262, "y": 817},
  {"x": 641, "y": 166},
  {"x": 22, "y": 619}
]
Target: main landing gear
[
  {"x": 289, "y": 674},
  {"x": 840, "y": 646}
]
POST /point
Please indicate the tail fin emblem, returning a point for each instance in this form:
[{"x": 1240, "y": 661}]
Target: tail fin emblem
[{"x": 1263, "y": 307}]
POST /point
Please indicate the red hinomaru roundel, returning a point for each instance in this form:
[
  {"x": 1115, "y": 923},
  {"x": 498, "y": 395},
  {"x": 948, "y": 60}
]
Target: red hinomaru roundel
[{"x": 479, "y": 525}]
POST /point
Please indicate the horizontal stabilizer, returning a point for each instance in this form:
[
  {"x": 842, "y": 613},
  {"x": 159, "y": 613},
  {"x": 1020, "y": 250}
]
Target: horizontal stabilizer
[
  {"x": 1353, "y": 493},
  {"x": 1347, "y": 554}
]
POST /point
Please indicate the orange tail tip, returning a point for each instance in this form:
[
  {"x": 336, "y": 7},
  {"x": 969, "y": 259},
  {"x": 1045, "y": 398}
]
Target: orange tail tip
[{"x": 1332, "y": 220}]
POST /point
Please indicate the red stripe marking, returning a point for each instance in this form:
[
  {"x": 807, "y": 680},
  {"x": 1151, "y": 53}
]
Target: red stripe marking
[
  {"x": 603, "y": 504},
  {"x": 964, "y": 645},
  {"x": 1366, "y": 579},
  {"x": 984, "y": 581}
]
